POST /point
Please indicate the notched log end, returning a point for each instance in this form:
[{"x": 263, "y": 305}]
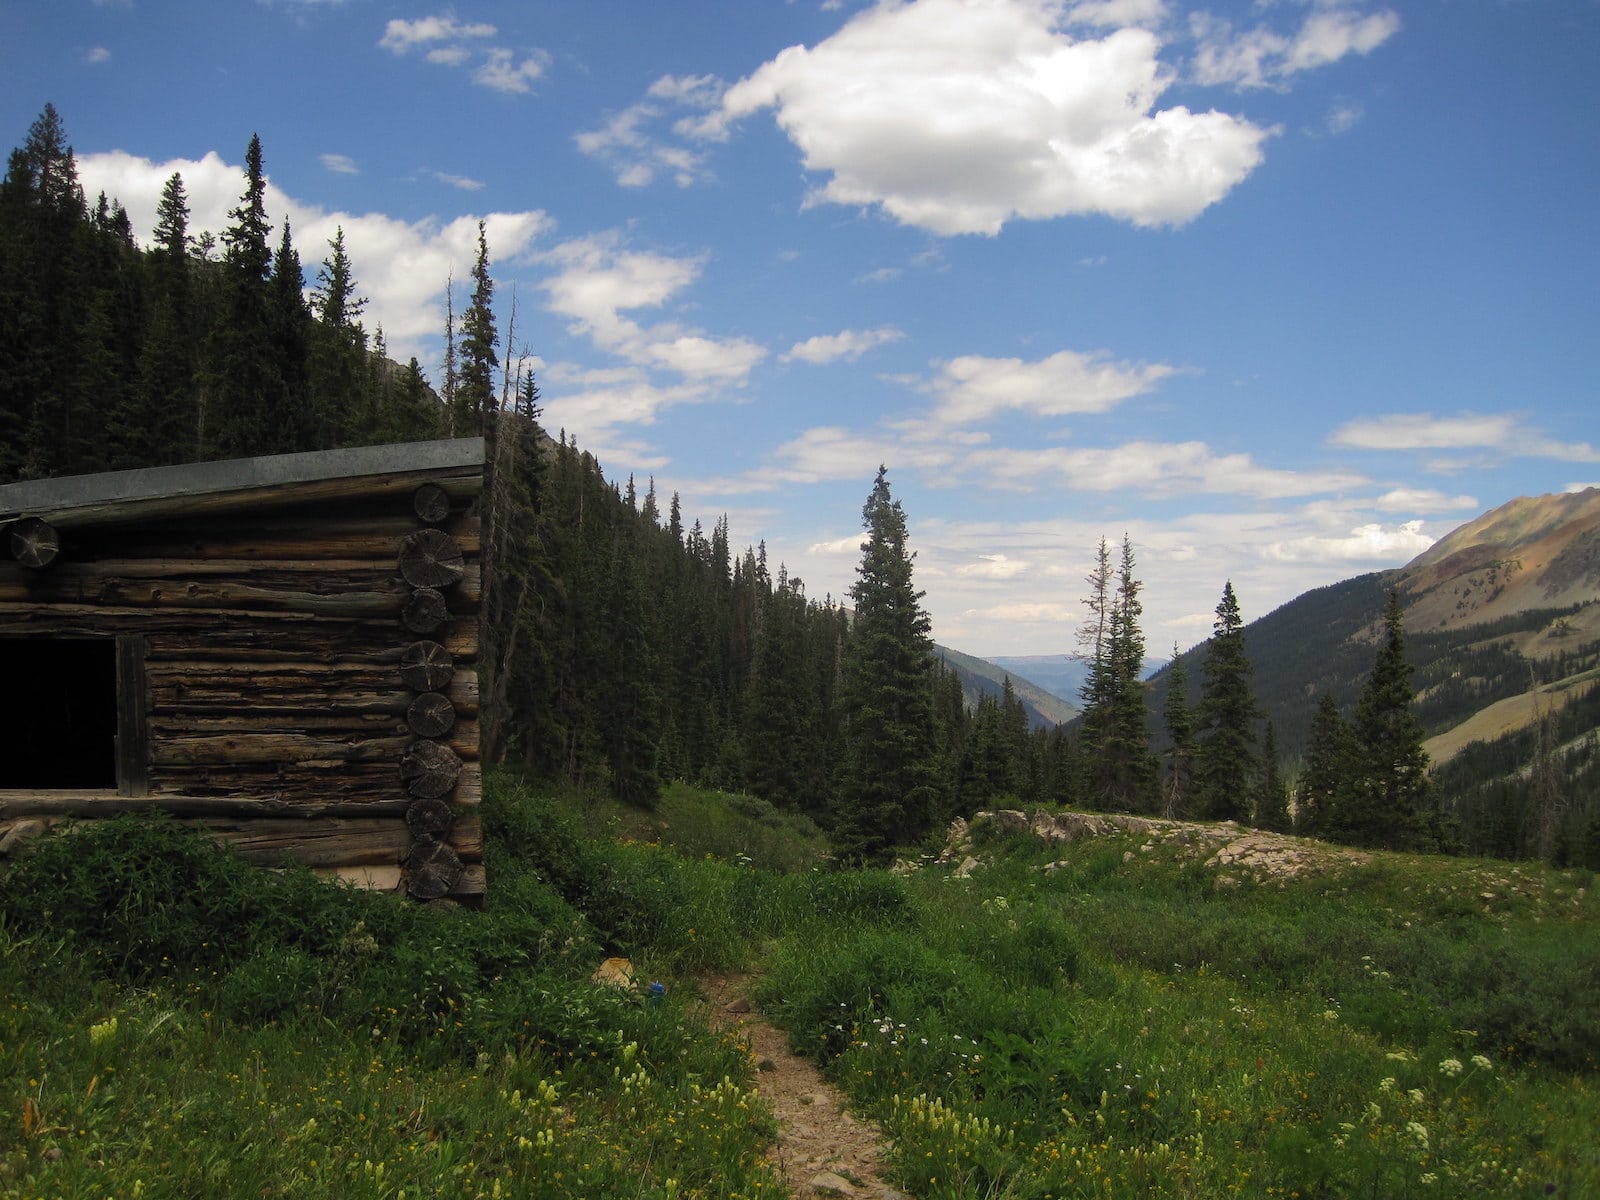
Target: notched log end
[{"x": 432, "y": 869}]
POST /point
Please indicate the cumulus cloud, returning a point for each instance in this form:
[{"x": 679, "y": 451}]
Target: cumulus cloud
[
  {"x": 1502, "y": 432},
  {"x": 972, "y": 388},
  {"x": 504, "y": 72},
  {"x": 402, "y": 267},
  {"x": 848, "y": 344},
  {"x": 1374, "y": 544},
  {"x": 1261, "y": 57},
  {"x": 956, "y": 116},
  {"x": 339, "y": 164}
]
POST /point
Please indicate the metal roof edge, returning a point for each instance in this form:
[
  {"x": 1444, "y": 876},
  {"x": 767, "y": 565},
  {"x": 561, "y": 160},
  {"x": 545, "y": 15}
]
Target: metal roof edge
[{"x": 62, "y": 495}]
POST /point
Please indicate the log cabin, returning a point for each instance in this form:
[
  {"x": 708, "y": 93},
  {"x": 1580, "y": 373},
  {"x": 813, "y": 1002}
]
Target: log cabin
[{"x": 283, "y": 650}]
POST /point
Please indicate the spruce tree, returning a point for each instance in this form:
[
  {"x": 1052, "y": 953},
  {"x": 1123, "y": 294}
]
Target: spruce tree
[
  {"x": 474, "y": 399},
  {"x": 289, "y": 424},
  {"x": 1327, "y": 770},
  {"x": 1225, "y": 768},
  {"x": 1272, "y": 797},
  {"x": 243, "y": 382},
  {"x": 338, "y": 354},
  {"x": 886, "y": 792},
  {"x": 1390, "y": 801},
  {"x": 1179, "y": 719}
]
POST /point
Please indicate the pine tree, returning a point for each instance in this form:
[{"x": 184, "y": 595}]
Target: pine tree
[
  {"x": 1225, "y": 768},
  {"x": 886, "y": 793},
  {"x": 1327, "y": 770},
  {"x": 474, "y": 389},
  {"x": 165, "y": 415},
  {"x": 243, "y": 382},
  {"x": 289, "y": 425},
  {"x": 1272, "y": 797},
  {"x": 339, "y": 354},
  {"x": 1390, "y": 801},
  {"x": 1179, "y": 719},
  {"x": 1092, "y": 638}
]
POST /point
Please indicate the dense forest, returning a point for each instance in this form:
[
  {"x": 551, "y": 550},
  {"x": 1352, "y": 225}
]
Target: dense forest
[{"x": 627, "y": 647}]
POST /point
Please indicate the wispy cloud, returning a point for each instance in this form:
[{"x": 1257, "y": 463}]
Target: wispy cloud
[
  {"x": 631, "y": 145},
  {"x": 1262, "y": 57},
  {"x": 449, "y": 42},
  {"x": 464, "y": 183},
  {"x": 972, "y": 387},
  {"x": 848, "y": 344},
  {"x": 1502, "y": 433},
  {"x": 339, "y": 164},
  {"x": 95, "y": 55}
]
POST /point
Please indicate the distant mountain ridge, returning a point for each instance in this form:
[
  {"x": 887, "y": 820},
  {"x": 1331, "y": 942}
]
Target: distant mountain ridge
[
  {"x": 981, "y": 677},
  {"x": 1499, "y": 613}
]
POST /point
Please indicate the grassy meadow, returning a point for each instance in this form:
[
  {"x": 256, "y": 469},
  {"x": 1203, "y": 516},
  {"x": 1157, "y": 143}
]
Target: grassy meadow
[{"x": 174, "y": 1024}]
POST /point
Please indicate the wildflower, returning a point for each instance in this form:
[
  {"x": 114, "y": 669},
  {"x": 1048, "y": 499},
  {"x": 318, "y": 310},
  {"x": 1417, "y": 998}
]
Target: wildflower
[
  {"x": 102, "y": 1031},
  {"x": 1429, "y": 1177},
  {"x": 1482, "y": 1063},
  {"x": 1416, "y": 1095},
  {"x": 1450, "y": 1066},
  {"x": 1419, "y": 1131},
  {"x": 1386, "y": 1084},
  {"x": 1328, "y": 1014}
]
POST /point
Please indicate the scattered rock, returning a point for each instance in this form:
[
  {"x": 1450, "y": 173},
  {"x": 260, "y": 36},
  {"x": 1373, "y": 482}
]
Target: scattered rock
[
  {"x": 617, "y": 973},
  {"x": 766, "y": 1064},
  {"x": 20, "y": 835},
  {"x": 741, "y": 1005},
  {"x": 826, "y": 1183},
  {"x": 967, "y": 867}
]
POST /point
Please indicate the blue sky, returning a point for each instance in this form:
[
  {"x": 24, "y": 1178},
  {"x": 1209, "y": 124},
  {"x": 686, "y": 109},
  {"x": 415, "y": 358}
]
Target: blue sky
[{"x": 1284, "y": 290}]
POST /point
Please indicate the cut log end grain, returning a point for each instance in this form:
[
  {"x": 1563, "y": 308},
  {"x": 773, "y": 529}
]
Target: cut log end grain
[
  {"x": 34, "y": 543},
  {"x": 431, "y": 870},
  {"x": 429, "y": 818},
  {"x": 431, "y": 503},
  {"x": 431, "y": 715},
  {"x": 429, "y": 769},
  {"x": 426, "y": 666},
  {"x": 431, "y": 558},
  {"x": 424, "y": 611}
]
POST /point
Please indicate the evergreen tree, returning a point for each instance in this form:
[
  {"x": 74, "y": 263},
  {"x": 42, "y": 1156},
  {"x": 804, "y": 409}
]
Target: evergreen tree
[
  {"x": 339, "y": 355},
  {"x": 165, "y": 415},
  {"x": 243, "y": 381},
  {"x": 1272, "y": 797},
  {"x": 474, "y": 388},
  {"x": 1179, "y": 719},
  {"x": 289, "y": 425},
  {"x": 1125, "y": 767},
  {"x": 1389, "y": 801},
  {"x": 1225, "y": 767},
  {"x": 1095, "y": 691},
  {"x": 886, "y": 792},
  {"x": 1327, "y": 770}
]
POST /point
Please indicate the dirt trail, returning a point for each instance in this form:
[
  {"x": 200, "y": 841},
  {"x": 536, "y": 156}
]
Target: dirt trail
[{"x": 822, "y": 1149}]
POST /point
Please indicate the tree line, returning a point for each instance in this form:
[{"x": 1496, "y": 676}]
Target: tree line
[{"x": 626, "y": 647}]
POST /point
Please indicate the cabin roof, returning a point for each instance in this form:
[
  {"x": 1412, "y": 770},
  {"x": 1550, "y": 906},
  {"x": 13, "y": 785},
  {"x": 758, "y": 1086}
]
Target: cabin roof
[{"x": 229, "y": 484}]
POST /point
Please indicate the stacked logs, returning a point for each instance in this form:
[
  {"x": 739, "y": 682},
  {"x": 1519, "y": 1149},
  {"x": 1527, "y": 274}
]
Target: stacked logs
[{"x": 431, "y": 563}]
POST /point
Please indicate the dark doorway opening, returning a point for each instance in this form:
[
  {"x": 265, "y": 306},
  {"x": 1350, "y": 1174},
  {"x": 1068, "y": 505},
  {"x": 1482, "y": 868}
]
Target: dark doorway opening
[{"x": 59, "y": 713}]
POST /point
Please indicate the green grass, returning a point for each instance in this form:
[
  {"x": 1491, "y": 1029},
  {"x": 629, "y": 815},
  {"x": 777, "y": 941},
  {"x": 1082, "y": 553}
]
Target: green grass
[{"x": 173, "y": 1023}]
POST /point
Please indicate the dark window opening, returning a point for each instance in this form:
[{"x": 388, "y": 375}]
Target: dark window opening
[{"x": 59, "y": 713}]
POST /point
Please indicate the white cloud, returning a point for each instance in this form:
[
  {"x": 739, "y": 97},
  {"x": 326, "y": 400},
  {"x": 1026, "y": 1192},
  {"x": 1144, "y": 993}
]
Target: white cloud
[
  {"x": 502, "y": 72},
  {"x": 448, "y": 42},
  {"x": 403, "y": 36},
  {"x": 1261, "y": 57},
  {"x": 464, "y": 182},
  {"x": 402, "y": 267},
  {"x": 1581, "y": 487},
  {"x": 881, "y": 275},
  {"x": 1424, "y": 500},
  {"x": 848, "y": 344},
  {"x": 1158, "y": 469},
  {"x": 636, "y": 154},
  {"x": 1501, "y": 432},
  {"x": 339, "y": 164},
  {"x": 1343, "y": 117},
  {"x": 972, "y": 388},
  {"x": 993, "y": 566},
  {"x": 956, "y": 116},
  {"x": 96, "y": 55},
  {"x": 599, "y": 280},
  {"x": 1113, "y": 14},
  {"x": 1373, "y": 544}
]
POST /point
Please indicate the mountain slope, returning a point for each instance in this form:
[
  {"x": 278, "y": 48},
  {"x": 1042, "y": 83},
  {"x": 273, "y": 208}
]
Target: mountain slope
[
  {"x": 980, "y": 677},
  {"x": 1501, "y": 606}
]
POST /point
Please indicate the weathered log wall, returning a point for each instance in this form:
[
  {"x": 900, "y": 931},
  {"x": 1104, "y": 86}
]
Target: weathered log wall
[{"x": 274, "y": 631}]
